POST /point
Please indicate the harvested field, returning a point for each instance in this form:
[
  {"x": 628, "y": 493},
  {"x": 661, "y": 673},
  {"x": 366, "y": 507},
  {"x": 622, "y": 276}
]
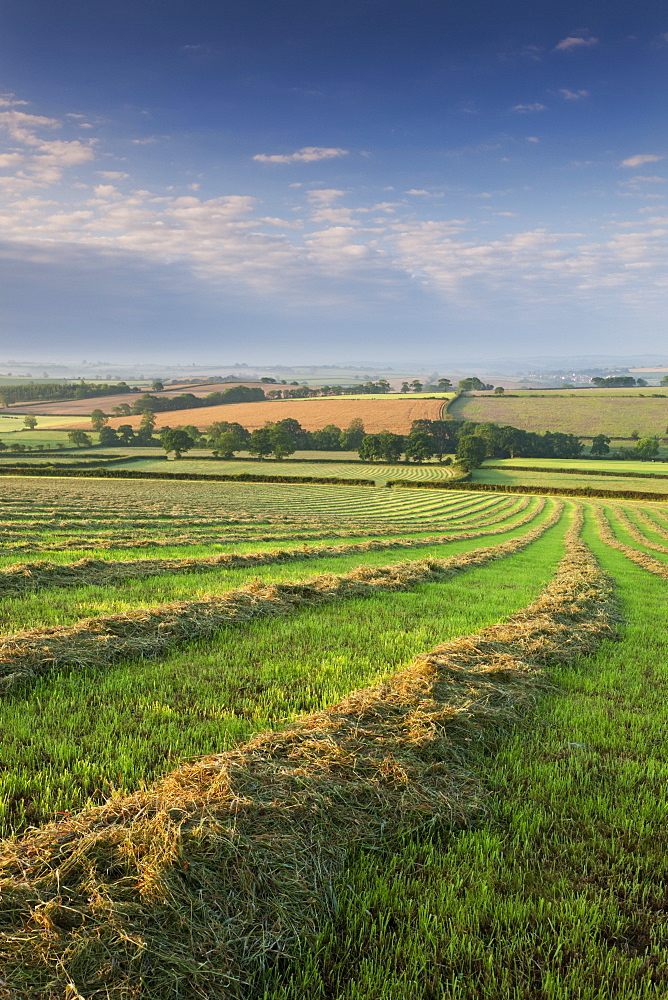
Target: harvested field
[
  {"x": 23, "y": 577},
  {"x": 150, "y": 631},
  {"x": 290, "y": 802},
  {"x": 608, "y": 412},
  {"x": 387, "y": 414},
  {"x": 221, "y": 877},
  {"x": 76, "y": 407}
]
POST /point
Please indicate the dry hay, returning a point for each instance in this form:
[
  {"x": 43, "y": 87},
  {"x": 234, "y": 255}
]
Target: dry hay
[
  {"x": 196, "y": 886},
  {"x": 31, "y": 576},
  {"x": 640, "y": 558},
  {"x": 636, "y": 533},
  {"x": 150, "y": 632}
]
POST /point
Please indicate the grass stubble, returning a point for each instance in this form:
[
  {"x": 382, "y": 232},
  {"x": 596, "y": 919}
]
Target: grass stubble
[
  {"x": 607, "y": 535},
  {"x": 198, "y": 886}
]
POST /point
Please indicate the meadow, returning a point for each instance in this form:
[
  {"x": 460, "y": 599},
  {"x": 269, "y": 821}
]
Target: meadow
[
  {"x": 458, "y": 786},
  {"x": 547, "y": 478},
  {"x": 616, "y": 413}
]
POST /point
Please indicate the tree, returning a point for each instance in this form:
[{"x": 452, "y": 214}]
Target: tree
[
  {"x": 282, "y": 441},
  {"x": 473, "y": 384},
  {"x": 260, "y": 443},
  {"x": 268, "y": 380},
  {"x": 30, "y": 422},
  {"x": 499, "y": 391},
  {"x": 3, "y": 446},
  {"x": 471, "y": 451},
  {"x": 405, "y": 387},
  {"x": 664, "y": 380},
  {"x": 225, "y": 444},
  {"x": 600, "y": 445},
  {"x": 328, "y": 438},
  {"x": 98, "y": 419},
  {"x": 641, "y": 382},
  {"x": 614, "y": 381},
  {"x": 126, "y": 434},
  {"x": 353, "y": 435},
  {"x": 108, "y": 437},
  {"x": 647, "y": 448},
  {"x": 385, "y": 446},
  {"x": 157, "y": 385},
  {"x": 444, "y": 384},
  {"x": 122, "y": 410},
  {"x": 176, "y": 440},
  {"x": 419, "y": 447},
  {"x": 416, "y": 385},
  {"x": 80, "y": 439}
]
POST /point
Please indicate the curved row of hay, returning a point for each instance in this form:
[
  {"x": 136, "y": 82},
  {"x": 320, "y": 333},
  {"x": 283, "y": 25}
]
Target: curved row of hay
[
  {"x": 194, "y": 886},
  {"x": 635, "y": 532},
  {"x": 151, "y": 631},
  {"x": 30, "y": 576},
  {"x": 641, "y": 558}
]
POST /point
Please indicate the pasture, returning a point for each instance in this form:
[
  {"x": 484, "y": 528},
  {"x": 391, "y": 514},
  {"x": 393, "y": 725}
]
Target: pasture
[
  {"x": 586, "y": 413},
  {"x": 459, "y": 785},
  {"x": 546, "y": 478}
]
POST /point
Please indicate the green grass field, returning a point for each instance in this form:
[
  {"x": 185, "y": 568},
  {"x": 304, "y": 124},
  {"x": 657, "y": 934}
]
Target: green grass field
[
  {"x": 507, "y": 476},
  {"x": 593, "y": 464},
  {"x": 586, "y": 413},
  {"x": 526, "y": 860}
]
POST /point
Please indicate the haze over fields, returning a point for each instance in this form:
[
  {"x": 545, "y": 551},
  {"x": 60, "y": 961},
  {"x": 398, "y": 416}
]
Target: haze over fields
[{"x": 324, "y": 182}]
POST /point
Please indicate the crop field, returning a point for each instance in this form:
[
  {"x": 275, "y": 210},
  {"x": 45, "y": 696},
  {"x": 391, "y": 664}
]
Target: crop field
[
  {"x": 543, "y": 478},
  {"x": 608, "y": 412},
  {"x": 306, "y": 742},
  {"x": 586, "y": 464},
  {"x": 339, "y": 470},
  {"x": 74, "y": 407},
  {"x": 386, "y": 413}
]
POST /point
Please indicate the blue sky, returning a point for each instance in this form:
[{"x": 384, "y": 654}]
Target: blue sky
[{"x": 309, "y": 181}]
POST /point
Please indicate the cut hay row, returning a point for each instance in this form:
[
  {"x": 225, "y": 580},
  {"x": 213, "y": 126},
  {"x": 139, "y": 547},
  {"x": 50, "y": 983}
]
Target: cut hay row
[
  {"x": 198, "y": 885},
  {"x": 465, "y": 513},
  {"x": 31, "y": 576},
  {"x": 635, "y": 532},
  {"x": 150, "y": 632},
  {"x": 640, "y": 558},
  {"x": 659, "y": 526}
]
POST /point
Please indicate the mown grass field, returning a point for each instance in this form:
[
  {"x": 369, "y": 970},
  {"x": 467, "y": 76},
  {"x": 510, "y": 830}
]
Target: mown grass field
[
  {"x": 490, "y": 822},
  {"x": 659, "y": 468},
  {"x": 546, "y": 479},
  {"x": 586, "y": 412}
]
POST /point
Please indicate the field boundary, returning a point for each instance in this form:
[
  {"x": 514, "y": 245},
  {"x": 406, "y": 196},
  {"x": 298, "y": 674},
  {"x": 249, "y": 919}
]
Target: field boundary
[
  {"x": 584, "y": 491},
  {"x": 573, "y": 472},
  {"x": 242, "y": 477}
]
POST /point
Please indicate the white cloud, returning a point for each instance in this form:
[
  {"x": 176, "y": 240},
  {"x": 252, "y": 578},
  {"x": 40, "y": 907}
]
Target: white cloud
[
  {"x": 573, "y": 95},
  {"x": 10, "y": 101},
  {"x": 418, "y": 191},
  {"x": 532, "y": 138},
  {"x": 524, "y": 108},
  {"x": 10, "y": 159},
  {"x": 639, "y": 159},
  {"x": 575, "y": 42},
  {"x": 106, "y": 191},
  {"x": 307, "y": 154},
  {"x": 113, "y": 175}
]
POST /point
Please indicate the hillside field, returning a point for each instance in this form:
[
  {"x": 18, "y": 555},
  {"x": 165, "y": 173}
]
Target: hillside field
[
  {"x": 391, "y": 413},
  {"x": 318, "y": 742},
  {"x": 585, "y": 413}
]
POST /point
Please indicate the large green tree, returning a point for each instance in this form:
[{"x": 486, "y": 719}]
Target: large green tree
[
  {"x": 471, "y": 451},
  {"x": 98, "y": 419},
  {"x": 259, "y": 443},
  {"x": 419, "y": 447},
  {"x": 647, "y": 448},
  {"x": 177, "y": 440}
]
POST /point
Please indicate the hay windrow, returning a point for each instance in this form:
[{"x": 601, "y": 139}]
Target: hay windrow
[
  {"x": 640, "y": 558},
  {"x": 637, "y": 534},
  {"x": 195, "y": 886},
  {"x": 30, "y": 576},
  {"x": 149, "y": 632}
]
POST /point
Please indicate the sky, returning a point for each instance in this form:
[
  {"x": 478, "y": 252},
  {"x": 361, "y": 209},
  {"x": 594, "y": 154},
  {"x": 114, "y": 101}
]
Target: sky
[{"x": 311, "y": 182}]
